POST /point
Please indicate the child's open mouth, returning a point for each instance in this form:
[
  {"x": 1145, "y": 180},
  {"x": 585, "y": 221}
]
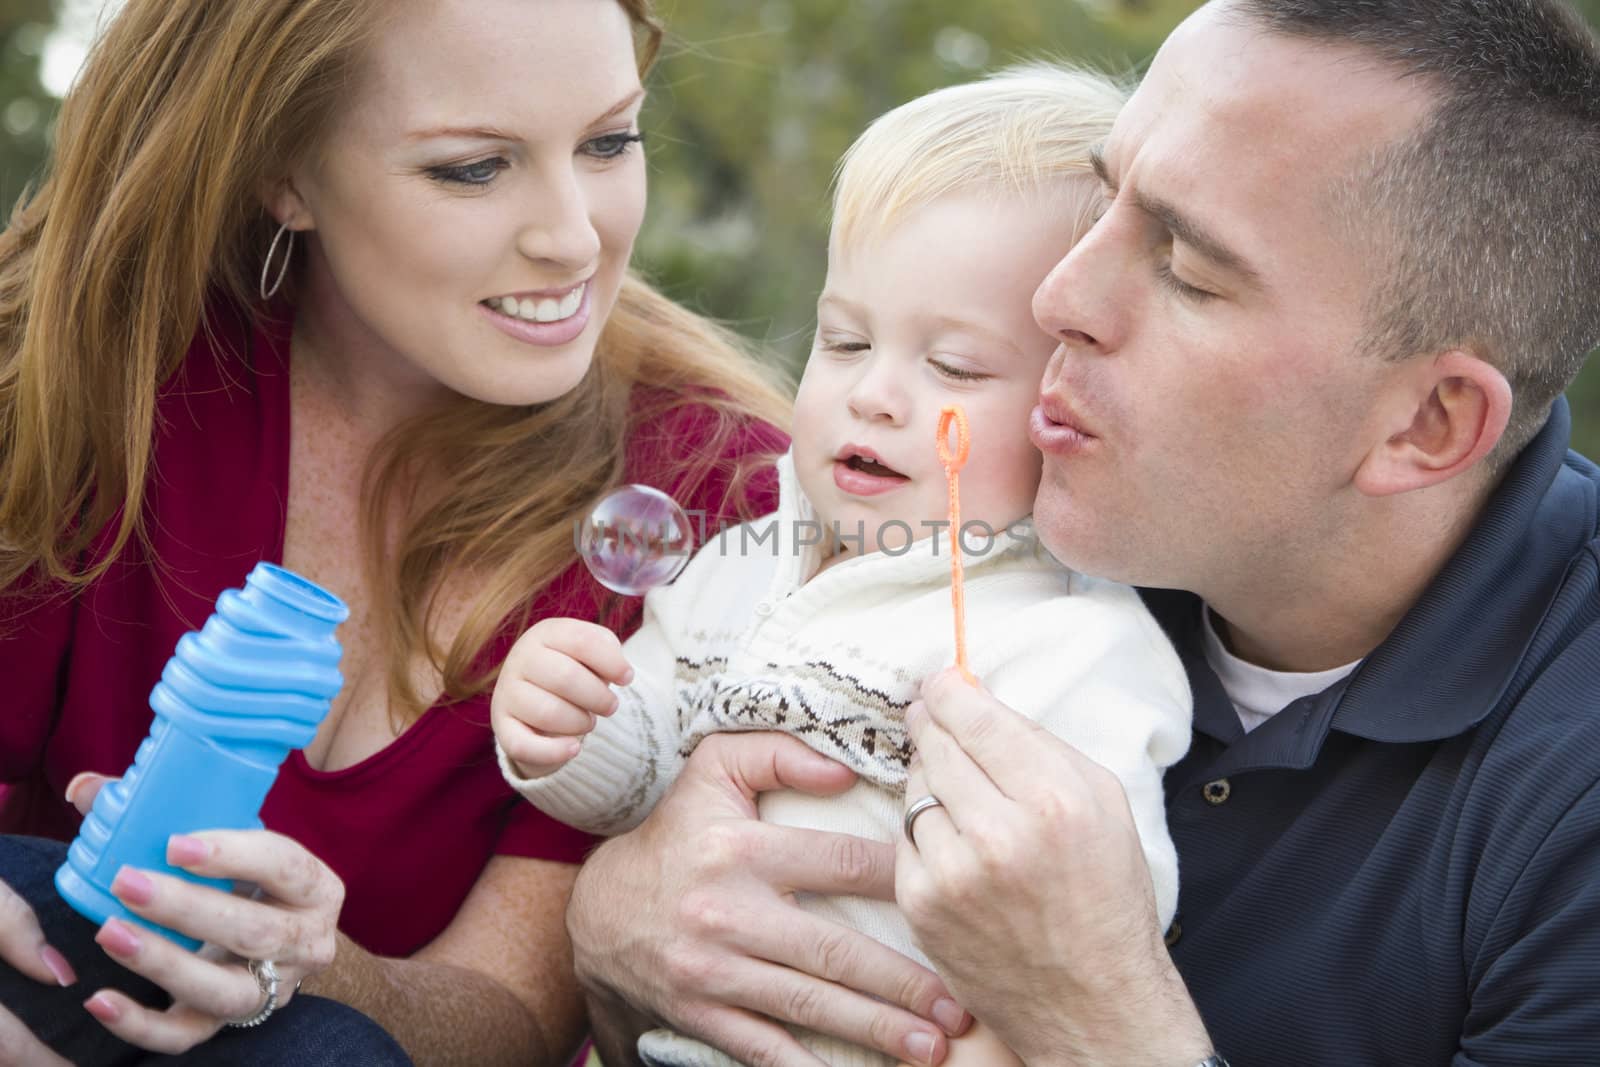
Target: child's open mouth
[
  {"x": 872, "y": 467},
  {"x": 861, "y": 474}
]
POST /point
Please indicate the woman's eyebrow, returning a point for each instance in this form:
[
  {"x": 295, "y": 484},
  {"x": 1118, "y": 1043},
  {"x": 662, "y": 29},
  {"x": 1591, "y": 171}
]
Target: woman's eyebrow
[
  {"x": 494, "y": 133},
  {"x": 620, "y": 106}
]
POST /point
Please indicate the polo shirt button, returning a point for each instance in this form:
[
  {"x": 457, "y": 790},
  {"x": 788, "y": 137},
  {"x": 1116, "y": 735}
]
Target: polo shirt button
[
  {"x": 1217, "y": 792},
  {"x": 764, "y": 608},
  {"x": 1174, "y": 932}
]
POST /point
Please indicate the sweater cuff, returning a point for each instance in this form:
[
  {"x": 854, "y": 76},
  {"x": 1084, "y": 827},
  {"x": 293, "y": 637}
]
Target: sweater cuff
[{"x": 598, "y": 790}]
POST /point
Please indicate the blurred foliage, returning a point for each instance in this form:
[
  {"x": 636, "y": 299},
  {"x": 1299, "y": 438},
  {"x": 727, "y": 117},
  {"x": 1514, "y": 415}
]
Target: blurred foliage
[
  {"x": 750, "y": 107},
  {"x": 25, "y": 108}
]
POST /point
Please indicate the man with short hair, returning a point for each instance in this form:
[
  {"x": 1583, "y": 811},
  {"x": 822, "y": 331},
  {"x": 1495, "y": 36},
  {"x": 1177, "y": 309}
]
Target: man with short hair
[{"x": 1307, "y": 395}]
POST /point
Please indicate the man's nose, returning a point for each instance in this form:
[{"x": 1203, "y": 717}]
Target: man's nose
[{"x": 1078, "y": 301}]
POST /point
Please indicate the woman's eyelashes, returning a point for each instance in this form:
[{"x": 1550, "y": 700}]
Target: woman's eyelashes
[
  {"x": 479, "y": 172},
  {"x": 612, "y": 145},
  {"x": 482, "y": 172}
]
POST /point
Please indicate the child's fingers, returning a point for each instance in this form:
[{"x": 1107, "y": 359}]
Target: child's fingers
[
  {"x": 533, "y": 752},
  {"x": 589, "y": 644},
  {"x": 547, "y": 713},
  {"x": 569, "y": 681}
]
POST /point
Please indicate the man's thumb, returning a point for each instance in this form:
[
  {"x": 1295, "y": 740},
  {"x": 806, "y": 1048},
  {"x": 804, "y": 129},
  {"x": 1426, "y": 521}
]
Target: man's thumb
[{"x": 754, "y": 763}]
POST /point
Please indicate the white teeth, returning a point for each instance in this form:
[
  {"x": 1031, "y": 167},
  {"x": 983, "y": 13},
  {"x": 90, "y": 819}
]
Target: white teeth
[
  {"x": 572, "y": 301},
  {"x": 543, "y": 311}
]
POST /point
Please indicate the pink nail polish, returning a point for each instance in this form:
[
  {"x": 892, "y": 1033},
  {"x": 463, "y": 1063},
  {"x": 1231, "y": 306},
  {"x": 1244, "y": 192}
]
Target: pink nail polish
[
  {"x": 103, "y": 1008},
  {"x": 132, "y": 887},
  {"x": 58, "y": 966},
  {"x": 183, "y": 850},
  {"x": 72, "y": 786},
  {"x": 118, "y": 938}
]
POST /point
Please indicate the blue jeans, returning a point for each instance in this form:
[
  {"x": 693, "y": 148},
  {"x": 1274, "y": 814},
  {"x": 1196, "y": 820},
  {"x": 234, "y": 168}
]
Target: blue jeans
[{"x": 309, "y": 1032}]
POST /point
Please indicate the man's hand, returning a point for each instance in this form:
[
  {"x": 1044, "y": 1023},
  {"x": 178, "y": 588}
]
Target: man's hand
[
  {"x": 692, "y": 918},
  {"x": 1029, "y": 890}
]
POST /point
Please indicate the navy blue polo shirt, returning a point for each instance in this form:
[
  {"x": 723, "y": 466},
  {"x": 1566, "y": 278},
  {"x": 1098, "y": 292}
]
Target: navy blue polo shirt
[{"x": 1405, "y": 868}]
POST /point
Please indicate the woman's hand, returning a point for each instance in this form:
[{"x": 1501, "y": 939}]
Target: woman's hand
[
  {"x": 23, "y": 946},
  {"x": 692, "y": 917},
  {"x": 1029, "y": 890},
  {"x": 291, "y": 920}
]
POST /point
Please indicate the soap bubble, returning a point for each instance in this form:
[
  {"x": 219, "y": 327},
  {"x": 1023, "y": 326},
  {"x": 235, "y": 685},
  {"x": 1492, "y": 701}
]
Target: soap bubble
[{"x": 635, "y": 539}]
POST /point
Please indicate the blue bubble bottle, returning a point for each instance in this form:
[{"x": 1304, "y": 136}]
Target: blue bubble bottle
[{"x": 235, "y": 698}]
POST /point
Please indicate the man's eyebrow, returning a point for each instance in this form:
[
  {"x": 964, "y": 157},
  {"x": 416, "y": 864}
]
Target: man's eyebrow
[
  {"x": 494, "y": 133},
  {"x": 1179, "y": 225},
  {"x": 1097, "y": 160}
]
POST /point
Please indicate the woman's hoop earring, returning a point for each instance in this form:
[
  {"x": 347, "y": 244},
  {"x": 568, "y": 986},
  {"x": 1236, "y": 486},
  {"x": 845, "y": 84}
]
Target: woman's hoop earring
[{"x": 288, "y": 253}]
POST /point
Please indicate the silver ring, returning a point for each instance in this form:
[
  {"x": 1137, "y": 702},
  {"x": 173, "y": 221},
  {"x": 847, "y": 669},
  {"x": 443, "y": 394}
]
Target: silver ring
[
  {"x": 266, "y": 975},
  {"x": 917, "y": 808}
]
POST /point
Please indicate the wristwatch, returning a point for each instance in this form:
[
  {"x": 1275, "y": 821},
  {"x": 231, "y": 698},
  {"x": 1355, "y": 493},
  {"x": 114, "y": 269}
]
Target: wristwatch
[{"x": 1212, "y": 1060}]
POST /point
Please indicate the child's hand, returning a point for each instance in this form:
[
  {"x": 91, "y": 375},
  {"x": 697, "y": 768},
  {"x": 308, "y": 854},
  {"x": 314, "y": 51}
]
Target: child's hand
[{"x": 551, "y": 687}]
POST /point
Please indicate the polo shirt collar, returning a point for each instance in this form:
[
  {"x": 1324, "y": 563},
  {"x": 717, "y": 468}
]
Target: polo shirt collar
[
  {"x": 1451, "y": 658},
  {"x": 1449, "y": 661}
]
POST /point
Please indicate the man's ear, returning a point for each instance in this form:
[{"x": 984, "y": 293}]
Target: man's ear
[
  {"x": 284, "y": 203},
  {"x": 1448, "y": 413}
]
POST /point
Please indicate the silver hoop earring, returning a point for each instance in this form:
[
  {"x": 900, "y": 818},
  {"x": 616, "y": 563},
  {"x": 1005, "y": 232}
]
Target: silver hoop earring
[{"x": 288, "y": 254}]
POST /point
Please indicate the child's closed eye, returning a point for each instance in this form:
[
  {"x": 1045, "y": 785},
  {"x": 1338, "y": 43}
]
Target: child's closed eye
[
  {"x": 957, "y": 373},
  {"x": 833, "y": 345}
]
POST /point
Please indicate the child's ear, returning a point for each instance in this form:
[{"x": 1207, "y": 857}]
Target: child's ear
[{"x": 1447, "y": 414}]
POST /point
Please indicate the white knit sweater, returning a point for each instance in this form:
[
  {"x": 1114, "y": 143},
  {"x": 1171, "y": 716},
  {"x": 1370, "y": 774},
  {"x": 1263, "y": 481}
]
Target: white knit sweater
[{"x": 743, "y": 641}]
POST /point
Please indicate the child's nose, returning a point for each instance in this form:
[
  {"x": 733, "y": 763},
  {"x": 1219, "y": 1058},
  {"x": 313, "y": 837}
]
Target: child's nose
[{"x": 877, "y": 396}]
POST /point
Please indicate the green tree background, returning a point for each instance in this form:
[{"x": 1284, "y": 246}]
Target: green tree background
[{"x": 750, "y": 107}]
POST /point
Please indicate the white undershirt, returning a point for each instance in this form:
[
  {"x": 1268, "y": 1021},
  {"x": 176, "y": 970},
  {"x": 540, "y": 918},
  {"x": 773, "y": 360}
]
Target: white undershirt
[{"x": 1258, "y": 693}]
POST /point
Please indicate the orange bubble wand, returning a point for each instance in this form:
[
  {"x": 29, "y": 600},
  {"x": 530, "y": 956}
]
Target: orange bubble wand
[{"x": 952, "y": 469}]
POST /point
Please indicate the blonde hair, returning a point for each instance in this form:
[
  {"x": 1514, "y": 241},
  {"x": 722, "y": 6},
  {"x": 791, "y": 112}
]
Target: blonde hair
[
  {"x": 151, "y": 212},
  {"x": 1016, "y": 131}
]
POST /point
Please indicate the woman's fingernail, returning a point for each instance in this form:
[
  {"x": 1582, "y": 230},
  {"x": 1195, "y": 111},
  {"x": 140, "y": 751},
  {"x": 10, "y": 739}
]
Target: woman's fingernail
[
  {"x": 919, "y": 1047},
  {"x": 134, "y": 888},
  {"x": 58, "y": 966},
  {"x": 183, "y": 850},
  {"x": 72, "y": 786},
  {"x": 949, "y": 1015},
  {"x": 118, "y": 938},
  {"x": 103, "y": 1008}
]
